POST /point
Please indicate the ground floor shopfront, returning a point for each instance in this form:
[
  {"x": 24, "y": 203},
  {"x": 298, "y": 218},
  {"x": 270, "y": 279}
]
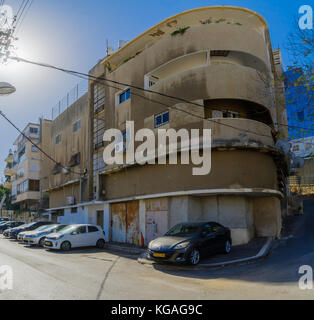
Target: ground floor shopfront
[{"x": 136, "y": 221}]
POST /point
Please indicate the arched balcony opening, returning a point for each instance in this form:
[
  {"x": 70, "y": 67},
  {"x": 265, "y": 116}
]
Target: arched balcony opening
[{"x": 235, "y": 108}]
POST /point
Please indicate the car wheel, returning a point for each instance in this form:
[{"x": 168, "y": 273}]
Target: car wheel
[
  {"x": 65, "y": 246},
  {"x": 100, "y": 243},
  {"x": 41, "y": 242},
  {"x": 195, "y": 257},
  {"x": 227, "y": 247}
]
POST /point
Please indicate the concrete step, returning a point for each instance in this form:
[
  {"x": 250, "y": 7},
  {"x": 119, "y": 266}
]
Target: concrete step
[{"x": 125, "y": 248}]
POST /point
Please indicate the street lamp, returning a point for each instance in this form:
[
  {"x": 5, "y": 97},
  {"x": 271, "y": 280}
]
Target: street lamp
[{"x": 6, "y": 88}]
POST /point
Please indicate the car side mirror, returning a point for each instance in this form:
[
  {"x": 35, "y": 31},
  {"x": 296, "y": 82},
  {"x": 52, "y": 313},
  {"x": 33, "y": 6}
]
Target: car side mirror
[{"x": 74, "y": 233}]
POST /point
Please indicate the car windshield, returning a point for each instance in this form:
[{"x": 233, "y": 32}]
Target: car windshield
[
  {"x": 182, "y": 230},
  {"x": 60, "y": 227},
  {"x": 26, "y": 225},
  {"x": 46, "y": 227},
  {"x": 67, "y": 229}
]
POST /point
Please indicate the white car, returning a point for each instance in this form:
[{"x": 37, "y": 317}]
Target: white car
[
  {"x": 74, "y": 236},
  {"x": 37, "y": 236}
]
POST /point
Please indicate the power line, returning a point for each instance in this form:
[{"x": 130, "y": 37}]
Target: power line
[
  {"x": 80, "y": 74},
  {"x": 34, "y": 144},
  {"x": 22, "y": 17},
  {"x": 98, "y": 79}
]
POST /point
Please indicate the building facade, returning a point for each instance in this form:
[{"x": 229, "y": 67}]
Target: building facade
[
  {"x": 26, "y": 168},
  {"x": 8, "y": 172},
  {"x": 64, "y": 182},
  {"x": 220, "y": 59}
]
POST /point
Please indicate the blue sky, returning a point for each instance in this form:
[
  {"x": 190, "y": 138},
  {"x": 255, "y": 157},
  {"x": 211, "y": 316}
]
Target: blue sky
[{"x": 73, "y": 34}]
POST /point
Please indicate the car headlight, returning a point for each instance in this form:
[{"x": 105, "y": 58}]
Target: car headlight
[{"x": 182, "y": 245}]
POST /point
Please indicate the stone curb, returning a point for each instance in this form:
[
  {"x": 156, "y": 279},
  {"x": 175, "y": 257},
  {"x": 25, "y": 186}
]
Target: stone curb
[
  {"x": 114, "y": 247},
  {"x": 264, "y": 251}
]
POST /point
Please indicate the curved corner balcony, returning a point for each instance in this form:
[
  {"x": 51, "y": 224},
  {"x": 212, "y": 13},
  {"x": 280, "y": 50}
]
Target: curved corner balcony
[{"x": 244, "y": 133}]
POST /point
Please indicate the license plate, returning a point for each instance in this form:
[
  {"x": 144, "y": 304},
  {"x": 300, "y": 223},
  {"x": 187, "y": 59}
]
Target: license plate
[
  {"x": 159, "y": 255},
  {"x": 48, "y": 243}
]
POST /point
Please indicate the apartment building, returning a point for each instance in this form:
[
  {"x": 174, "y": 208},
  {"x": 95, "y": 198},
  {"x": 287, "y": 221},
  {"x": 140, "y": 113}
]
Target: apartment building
[
  {"x": 64, "y": 182},
  {"x": 302, "y": 180},
  {"x": 8, "y": 172},
  {"x": 217, "y": 57},
  {"x": 26, "y": 170}
]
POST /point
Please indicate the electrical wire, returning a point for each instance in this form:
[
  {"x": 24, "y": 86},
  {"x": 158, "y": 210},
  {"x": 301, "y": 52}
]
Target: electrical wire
[
  {"x": 80, "y": 74},
  {"x": 98, "y": 79},
  {"x": 34, "y": 144},
  {"x": 19, "y": 24}
]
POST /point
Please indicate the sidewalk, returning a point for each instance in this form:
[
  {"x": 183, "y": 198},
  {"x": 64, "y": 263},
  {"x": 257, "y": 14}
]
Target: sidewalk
[{"x": 255, "y": 250}]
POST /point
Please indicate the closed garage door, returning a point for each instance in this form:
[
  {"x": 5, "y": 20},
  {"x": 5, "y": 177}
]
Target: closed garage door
[
  {"x": 125, "y": 222},
  {"x": 156, "y": 218}
]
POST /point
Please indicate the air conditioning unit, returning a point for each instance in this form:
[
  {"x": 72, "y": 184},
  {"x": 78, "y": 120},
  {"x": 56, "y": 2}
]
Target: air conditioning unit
[
  {"x": 119, "y": 147},
  {"x": 70, "y": 200}
]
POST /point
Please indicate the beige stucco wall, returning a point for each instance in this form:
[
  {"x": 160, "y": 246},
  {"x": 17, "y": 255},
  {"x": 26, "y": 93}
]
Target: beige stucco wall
[
  {"x": 267, "y": 216},
  {"x": 71, "y": 144},
  {"x": 57, "y": 198},
  {"x": 233, "y": 169}
]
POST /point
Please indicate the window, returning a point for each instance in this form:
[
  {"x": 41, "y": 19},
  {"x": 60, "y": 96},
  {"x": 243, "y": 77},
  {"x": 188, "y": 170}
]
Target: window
[
  {"x": 60, "y": 212},
  {"x": 230, "y": 114},
  {"x": 81, "y": 229},
  {"x": 75, "y": 160},
  {"x": 33, "y": 130},
  {"x": 22, "y": 187},
  {"x": 219, "y": 53},
  {"x": 76, "y": 126},
  {"x": 217, "y": 227},
  {"x": 20, "y": 173},
  {"x": 161, "y": 119},
  {"x": 296, "y": 147},
  {"x": 207, "y": 229},
  {"x": 92, "y": 229},
  {"x": 308, "y": 146},
  {"x": 74, "y": 210},
  {"x": 225, "y": 114},
  {"x": 34, "y": 167},
  {"x": 58, "y": 138},
  {"x": 34, "y": 149},
  {"x": 124, "y": 95},
  {"x": 33, "y": 185}
]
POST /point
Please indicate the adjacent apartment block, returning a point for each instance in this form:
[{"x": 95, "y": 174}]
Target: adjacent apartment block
[
  {"x": 26, "y": 168},
  {"x": 220, "y": 58},
  {"x": 8, "y": 172}
]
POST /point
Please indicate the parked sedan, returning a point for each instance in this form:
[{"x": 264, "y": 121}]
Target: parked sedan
[
  {"x": 13, "y": 233},
  {"x": 188, "y": 242},
  {"x": 38, "y": 236},
  {"x": 74, "y": 236},
  {"x": 11, "y": 224}
]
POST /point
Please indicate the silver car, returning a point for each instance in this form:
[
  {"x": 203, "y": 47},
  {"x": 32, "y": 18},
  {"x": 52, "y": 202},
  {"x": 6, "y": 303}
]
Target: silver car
[{"x": 37, "y": 237}]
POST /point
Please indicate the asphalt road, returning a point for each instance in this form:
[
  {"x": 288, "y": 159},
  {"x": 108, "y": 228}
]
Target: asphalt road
[{"x": 94, "y": 274}]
